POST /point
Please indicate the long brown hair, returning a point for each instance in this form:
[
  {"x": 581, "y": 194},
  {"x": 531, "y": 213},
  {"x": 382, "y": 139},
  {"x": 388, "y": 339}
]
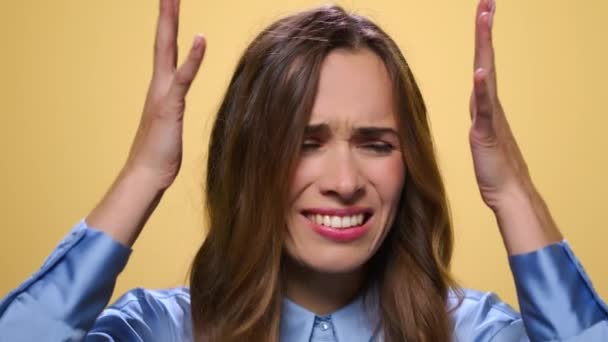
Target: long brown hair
[{"x": 235, "y": 283}]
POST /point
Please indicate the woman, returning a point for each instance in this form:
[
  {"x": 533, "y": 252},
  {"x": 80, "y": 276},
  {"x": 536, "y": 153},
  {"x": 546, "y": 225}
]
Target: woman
[{"x": 328, "y": 216}]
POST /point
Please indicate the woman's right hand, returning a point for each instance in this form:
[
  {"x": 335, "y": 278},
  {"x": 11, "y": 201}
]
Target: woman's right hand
[
  {"x": 157, "y": 147},
  {"x": 156, "y": 153}
]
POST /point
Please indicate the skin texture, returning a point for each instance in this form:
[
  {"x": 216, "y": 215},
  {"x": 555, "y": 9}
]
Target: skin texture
[{"x": 341, "y": 169}]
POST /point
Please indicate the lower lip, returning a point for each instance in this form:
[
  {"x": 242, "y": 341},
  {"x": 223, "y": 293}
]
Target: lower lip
[{"x": 340, "y": 234}]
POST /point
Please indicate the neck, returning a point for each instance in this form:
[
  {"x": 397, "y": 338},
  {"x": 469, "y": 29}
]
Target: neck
[{"x": 318, "y": 292}]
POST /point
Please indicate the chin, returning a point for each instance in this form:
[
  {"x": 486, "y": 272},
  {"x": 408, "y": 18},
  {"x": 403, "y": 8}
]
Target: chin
[{"x": 331, "y": 262}]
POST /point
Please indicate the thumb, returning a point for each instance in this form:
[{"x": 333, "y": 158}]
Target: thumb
[{"x": 482, "y": 108}]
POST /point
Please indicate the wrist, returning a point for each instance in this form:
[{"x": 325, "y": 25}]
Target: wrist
[
  {"x": 153, "y": 178},
  {"x": 143, "y": 180},
  {"x": 525, "y": 221},
  {"x": 126, "y": 207},
  {"x": 515, "y": 198}
]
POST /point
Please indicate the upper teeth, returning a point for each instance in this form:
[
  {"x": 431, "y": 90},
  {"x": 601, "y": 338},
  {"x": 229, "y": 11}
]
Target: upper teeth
[{"x": 337, "y": 221}]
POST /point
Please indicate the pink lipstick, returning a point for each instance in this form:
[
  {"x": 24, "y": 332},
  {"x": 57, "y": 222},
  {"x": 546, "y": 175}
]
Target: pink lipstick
[{"x": 356, "y": 219}]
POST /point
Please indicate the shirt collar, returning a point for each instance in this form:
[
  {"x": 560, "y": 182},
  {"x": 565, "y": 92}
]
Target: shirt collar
[{"x": 351, "y": 322}]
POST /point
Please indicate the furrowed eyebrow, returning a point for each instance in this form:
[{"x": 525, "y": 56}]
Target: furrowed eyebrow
[
  {"x": 321, "y": 129},
  {"x": 374, "y": 132}
]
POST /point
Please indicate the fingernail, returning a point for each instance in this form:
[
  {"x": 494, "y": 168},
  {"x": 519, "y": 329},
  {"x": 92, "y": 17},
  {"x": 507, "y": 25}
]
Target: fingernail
[
  {"x": 487, "y": 17},
  {"x": 198, "y": 40}
]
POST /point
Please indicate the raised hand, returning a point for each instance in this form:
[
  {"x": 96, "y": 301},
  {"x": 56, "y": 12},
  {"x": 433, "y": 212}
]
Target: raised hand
[
  {"x": 501, "y": 171},
  {"x": 156, "y": 153},
  {"x": 499, "y": 165},
  {"x": 157, "y": 148}
]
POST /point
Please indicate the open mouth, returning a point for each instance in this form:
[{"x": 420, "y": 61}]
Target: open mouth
[{"x": 339, "y": 221}]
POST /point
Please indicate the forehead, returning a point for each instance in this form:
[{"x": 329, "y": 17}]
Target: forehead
[{"x": 354, "y": 89}]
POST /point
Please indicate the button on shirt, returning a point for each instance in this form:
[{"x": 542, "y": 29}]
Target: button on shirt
[
  {"x": 322, "y": 329},
  {"x": 65, "y": 300}
]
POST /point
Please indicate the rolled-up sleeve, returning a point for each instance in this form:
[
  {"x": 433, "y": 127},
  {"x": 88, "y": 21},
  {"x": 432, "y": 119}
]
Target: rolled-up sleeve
[
  {"x": 61, "y": 301},
  {"x": 556, "y": 297}
]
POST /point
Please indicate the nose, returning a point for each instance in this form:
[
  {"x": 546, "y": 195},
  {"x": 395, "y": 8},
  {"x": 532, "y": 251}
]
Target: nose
[{"x": 343, "y": 178}]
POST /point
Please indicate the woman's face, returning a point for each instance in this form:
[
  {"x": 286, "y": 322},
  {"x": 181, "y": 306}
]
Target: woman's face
[{"x": 351, "y": 171}]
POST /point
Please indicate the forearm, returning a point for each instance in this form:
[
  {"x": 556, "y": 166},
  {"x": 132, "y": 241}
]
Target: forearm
[
  {"x": 126, "y": 207},
  {"x": 525, "y": 222}
]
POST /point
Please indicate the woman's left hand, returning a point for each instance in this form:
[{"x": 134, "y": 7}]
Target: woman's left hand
[
  {"x": 499, "y": 165},
  {"x": 501, "y": 171}
]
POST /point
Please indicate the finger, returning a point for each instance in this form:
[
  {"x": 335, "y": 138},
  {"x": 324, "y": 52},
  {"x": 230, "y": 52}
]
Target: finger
[
  {"x": 165, "y": 44},
  {"x": 484, "y": 51},
  {"x": 483, "y": 6},
  {"x": 483, "y": 108},
  {"x": 472, "y": 103},
  {"x": 187, "y": 71}
]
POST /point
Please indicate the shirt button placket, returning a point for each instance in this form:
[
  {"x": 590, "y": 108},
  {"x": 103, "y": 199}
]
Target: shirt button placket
[{"x": 323, "y": 330}]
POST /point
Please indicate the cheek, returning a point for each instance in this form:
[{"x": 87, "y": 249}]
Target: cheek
[
  {"x": 388, "y": 177},
  {"x": 305, "y": 174}
]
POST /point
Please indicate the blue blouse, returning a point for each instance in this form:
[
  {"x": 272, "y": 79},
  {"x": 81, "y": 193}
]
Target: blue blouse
[{"x": 65, "y": 300}]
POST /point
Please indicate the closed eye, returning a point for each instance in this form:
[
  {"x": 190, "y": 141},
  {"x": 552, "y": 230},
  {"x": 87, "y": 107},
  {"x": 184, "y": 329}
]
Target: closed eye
[
  {"x": 310, "y": 145},
  {"x": 378, "y": 147}
]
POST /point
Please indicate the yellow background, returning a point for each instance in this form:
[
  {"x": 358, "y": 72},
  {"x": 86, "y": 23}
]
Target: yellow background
[{"x": 74, "y": 75}]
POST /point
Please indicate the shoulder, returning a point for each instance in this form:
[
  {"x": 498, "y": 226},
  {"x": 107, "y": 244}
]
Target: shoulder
[
  {"x": 483, "y": 316},
  {"x": 146, "y": 314}
]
